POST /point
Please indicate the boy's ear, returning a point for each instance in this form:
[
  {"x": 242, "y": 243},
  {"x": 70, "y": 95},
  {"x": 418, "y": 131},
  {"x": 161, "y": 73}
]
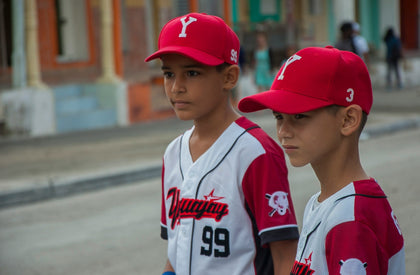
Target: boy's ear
[
  {"x": 231, "y": 76},
  {"x": 351, "y": 119}
]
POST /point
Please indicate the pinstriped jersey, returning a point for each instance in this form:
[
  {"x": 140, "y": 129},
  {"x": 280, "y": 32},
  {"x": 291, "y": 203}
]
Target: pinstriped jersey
[
  {"x": 354, "y": 231},
  {"x": 220, "y": 212}
]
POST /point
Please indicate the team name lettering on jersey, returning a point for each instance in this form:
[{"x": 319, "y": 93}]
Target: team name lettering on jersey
[
  {"x": 289, "y": 61},
  {"x": 194, "y": 208},
  {"x": 185, "y": 25},
  {"x": 303, "y": 268}
]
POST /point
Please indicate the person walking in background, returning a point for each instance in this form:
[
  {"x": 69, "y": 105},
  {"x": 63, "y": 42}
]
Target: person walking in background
[
  {"x": 393, "y": 56},
  {"x": 289, "y": 52},
  {"x": 360, "y": 43},
  {"x": 263, "y": 63},
  {"x": 346, "y": 41}
]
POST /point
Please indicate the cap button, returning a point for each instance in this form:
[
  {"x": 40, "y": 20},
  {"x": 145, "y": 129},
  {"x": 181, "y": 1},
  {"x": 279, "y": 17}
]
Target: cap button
[{"x": 329, "y": 47}]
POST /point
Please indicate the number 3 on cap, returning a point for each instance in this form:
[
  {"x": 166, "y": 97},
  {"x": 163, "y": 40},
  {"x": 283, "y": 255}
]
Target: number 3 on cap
[{"x": 351, "y": 95}]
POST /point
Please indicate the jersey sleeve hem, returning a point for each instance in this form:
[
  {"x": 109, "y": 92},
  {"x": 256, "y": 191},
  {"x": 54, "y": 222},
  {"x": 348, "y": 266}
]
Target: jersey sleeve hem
[
  {"x": 279, "y": 234},
  {"x": 163, "y": 232}
]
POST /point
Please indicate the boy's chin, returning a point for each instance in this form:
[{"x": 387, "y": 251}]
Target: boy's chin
[
  {"x": 297, "y": 163},
  {"x": 183, "y": 116}
]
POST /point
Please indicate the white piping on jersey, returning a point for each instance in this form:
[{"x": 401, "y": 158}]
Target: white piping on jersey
[
  {"x": 334, "y": 203},
  {"x": 205, "y": 175},
  {"x": 307, "y": 239},
  {"x": 276, "y": 227}
]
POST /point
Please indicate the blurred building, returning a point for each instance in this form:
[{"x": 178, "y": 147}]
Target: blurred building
[{"x": 75, "y": 65}]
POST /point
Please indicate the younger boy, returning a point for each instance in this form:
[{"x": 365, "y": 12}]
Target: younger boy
[
  {"x": 226, "y": 204},
  {"x": 321, "y": 98}
]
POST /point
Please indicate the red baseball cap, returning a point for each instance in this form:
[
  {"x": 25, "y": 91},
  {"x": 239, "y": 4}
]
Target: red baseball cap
[
  {"x": 204, "y": 38},
  {"x": 313, "y": 78}
]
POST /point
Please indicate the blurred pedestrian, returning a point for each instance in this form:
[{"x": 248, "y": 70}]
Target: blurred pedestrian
[
  {"x": 360, "y": 43},
  {"x": 263, "y": 63},
  {"x": 346, "y": 40},
  {"x": 290, "y": 50},
  {"x": 393, "y": 56}
]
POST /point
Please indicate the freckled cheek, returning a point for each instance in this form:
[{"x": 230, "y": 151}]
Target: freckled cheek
[
  {"x": 313, "y": 138},
  {"x": 321, "y": 140},
  {"x": 278, "y": 131},
  {"x": 167, "y": 87}
]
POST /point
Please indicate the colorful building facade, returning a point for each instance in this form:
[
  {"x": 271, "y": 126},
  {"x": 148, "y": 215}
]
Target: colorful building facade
[{"x": 78, "y": 65}]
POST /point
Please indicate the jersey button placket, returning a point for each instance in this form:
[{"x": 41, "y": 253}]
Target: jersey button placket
[{"x": 183, "y": 247}]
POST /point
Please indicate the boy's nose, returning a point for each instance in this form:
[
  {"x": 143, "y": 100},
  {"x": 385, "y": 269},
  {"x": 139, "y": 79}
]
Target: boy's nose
[
  {"x": 283, "y": 130},
  {"x": 178, "y": 85}
]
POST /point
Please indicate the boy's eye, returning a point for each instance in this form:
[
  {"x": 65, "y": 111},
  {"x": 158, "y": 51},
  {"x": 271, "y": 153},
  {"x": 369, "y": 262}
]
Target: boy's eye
[
  {"x": 167, "y": 74},
  {"x": 300, "y": 116},
  {"x": 192, "y": 73},
  {"x": 278, "y": 116}
]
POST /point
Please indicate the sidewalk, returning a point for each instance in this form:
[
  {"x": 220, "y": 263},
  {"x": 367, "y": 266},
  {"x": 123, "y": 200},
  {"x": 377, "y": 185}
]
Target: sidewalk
[{"x": 34, "y": 169}]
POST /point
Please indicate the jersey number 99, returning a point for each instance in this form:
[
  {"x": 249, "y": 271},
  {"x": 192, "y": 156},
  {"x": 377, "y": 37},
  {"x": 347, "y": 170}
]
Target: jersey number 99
[{"x": 220, "y": 238}]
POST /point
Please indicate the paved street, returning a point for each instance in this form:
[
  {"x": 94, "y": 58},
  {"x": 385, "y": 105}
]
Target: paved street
[
  {"x": 116, "y": 230},
  {"x": 56, "y": 166}
]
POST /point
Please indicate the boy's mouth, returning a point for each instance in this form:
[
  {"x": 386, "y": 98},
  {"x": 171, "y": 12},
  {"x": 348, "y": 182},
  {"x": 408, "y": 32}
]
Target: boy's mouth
[
  {"x": 179, "y": 103},
  {"x": 289, "y": 148}
]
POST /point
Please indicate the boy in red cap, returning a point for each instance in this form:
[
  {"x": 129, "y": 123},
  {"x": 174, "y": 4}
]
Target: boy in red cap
[
  {"x": 321, "y": 98},
  {"x": 226, "y": 204}
]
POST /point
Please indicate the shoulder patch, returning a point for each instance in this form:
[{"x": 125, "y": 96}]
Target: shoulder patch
[{"x": 279, "y": 202}]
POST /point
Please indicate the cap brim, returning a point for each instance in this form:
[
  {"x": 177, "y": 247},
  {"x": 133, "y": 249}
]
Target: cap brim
[
  {"x": 282, "y": 102},
  {"x": 195, "y": 54}
]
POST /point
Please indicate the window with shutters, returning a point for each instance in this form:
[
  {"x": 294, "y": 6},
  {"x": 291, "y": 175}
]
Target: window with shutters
[{"x": 72, "y": 37}]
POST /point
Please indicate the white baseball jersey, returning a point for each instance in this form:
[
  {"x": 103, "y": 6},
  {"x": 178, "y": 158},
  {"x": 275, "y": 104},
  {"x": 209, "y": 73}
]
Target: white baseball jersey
[
  {"x": 361, "y": 45},
  {"x": 354, "y": 231},
  {"x": 220, "y": 212}
]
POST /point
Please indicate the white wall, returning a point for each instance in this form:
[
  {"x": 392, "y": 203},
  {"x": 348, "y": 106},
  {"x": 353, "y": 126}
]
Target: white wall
[
  {"x": 344, "y": 10},
  {"x": 29, "y": 111}
]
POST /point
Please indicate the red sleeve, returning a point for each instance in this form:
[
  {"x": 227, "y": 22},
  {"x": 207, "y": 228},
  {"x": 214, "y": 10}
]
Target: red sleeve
[
  {"x": 163, "y": 230},
  {"x": 268, "y": 198},
  {"x": 354, "y": 246}
]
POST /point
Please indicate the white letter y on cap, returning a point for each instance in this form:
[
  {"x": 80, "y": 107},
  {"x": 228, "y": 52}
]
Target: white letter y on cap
[
  {"x": 291, "y": 59},
  {"x": 185, "y": 24}
]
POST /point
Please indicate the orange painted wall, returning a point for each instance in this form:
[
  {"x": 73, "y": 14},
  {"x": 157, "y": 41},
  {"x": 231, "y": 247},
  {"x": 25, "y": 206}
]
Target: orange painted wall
[
  {"x": 139, "y": 101},
  {"x": 409, "y": 17},
  {"x": 140, "y": 104}
]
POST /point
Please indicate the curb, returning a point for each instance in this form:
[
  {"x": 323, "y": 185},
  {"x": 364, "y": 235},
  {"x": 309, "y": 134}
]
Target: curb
[
  {"x": 53, "y": 189},
  {"x": 58, "y": 190},
  {"x": 377, "y": 131}
]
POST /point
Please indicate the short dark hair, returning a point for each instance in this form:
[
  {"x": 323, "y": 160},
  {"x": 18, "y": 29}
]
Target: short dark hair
[
  {"x": 346, "y": 27},
  {"x": 222, "y": 66},
  {"x": 363, "y": 121}
]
